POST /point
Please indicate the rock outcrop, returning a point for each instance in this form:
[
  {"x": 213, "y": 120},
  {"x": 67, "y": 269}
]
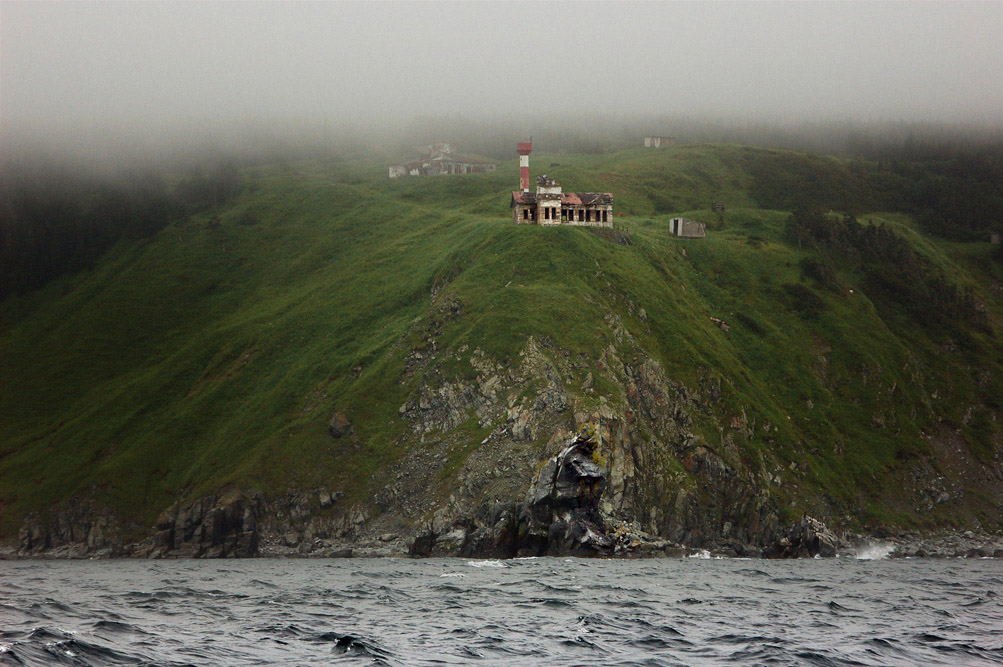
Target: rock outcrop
[
  {"x": 213, "y": 527},
  {"x": 338, "y": 425},
  {"x": 73, "y": 529},
  {"x": 807, "y": 538},
  {"x": 559, "y": 515},
  {"x": 561, "y": 512}
]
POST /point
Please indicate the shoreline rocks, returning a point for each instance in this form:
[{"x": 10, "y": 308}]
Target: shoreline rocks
[{"x": 807, "y": 538}]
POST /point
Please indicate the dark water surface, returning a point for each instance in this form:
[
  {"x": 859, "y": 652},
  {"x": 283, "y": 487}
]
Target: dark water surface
[{"x": 546, "y": 611}]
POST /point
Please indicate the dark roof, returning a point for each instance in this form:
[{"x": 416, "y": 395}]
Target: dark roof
[
  {"x": 568, "y": 198},
  {"x": 593, "y": 198}
]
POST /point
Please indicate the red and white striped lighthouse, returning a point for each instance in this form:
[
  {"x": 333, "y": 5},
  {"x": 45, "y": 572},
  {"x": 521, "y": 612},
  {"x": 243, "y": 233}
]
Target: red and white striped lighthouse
[{"x": 524, "y": 148}]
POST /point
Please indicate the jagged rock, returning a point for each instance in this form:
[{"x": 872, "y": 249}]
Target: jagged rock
[
  {"x": 561, "y": 510},
  {"x": 339, "y": 426},
  {"x": 560, "y": 513},
  {"x": 76, "y": 528},
  {"x": 451, "y": 543},
  {"x": 423, "y": 544},
  {"x": 520, "y": 428},
  {"x": 805, "y": 539},
  {"x": 211, "y": 527}
]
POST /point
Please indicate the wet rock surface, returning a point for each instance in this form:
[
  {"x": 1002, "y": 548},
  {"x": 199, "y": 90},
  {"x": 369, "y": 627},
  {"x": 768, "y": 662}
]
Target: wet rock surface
[
  {"x": 213, "y": 527},
  {"x": 807, "y": 538},
  {"x": 74, "y": 529},
  {"x": 561, "y": 511},
  {"x": 954, "y": 544},
  {"x": 561, "y": 514}
]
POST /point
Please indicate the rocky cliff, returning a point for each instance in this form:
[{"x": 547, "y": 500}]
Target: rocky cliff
[{"x": 563, "y": 471}]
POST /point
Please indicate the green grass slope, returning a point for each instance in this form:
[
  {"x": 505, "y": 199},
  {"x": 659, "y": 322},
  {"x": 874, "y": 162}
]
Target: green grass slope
[{"x": 213, "y": 355}]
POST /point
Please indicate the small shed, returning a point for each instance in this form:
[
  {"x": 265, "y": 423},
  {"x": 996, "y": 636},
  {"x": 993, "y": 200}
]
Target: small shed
[{"x": 687, "y": 229}]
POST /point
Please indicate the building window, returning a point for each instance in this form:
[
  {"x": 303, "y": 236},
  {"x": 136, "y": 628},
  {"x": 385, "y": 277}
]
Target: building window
[{"x": 525, "y": 214}]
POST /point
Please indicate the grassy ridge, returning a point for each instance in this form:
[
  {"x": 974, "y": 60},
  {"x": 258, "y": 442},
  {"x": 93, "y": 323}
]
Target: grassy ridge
[{"x": 214, "y": 354}]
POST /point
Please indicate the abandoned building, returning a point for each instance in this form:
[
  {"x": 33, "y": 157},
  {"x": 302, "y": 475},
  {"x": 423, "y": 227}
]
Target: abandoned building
[
  {"x": 687, "y": 229},
  {"x": 549, "y": 205},
  {"x": 658, "y": 142},
  {"x": 441, "y": 160}
]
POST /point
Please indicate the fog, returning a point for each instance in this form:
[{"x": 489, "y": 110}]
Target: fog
[{"x": 133, "y": 77}]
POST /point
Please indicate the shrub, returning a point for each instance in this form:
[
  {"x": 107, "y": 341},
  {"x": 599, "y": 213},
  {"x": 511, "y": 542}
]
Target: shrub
[
  {"x": 751, "y": 324},
  {"x": 805, "y": 302},
  {"x": 821, "y": 271}
]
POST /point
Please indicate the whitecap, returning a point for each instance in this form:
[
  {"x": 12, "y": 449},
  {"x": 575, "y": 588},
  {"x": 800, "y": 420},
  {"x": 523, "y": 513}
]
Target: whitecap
[
  {"x": 700, "y": 554},
  {"x": 874, "y": 551},
  {"x": 452, "y": 574},
  {"x": 486, "y": 563}
]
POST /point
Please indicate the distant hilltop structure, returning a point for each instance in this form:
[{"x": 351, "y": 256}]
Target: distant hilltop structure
[
  {"x": 440, "y": 161},
  {"x": 549, "y": 205},
  {"x": 658, "y": 142}
]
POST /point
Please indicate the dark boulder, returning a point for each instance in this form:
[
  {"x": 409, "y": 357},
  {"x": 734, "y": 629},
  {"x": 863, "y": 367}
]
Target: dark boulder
[
  {"x": 423, "y": 544},
  {"x": 339, "y": 426}
]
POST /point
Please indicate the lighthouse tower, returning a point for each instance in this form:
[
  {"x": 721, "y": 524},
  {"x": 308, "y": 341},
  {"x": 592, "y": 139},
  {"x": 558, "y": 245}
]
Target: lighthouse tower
[{"x": 524, "y": 148}]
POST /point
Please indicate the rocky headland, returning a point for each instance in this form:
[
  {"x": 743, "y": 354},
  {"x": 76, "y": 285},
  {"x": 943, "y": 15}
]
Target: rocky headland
[{"x": 563, "y": 513}]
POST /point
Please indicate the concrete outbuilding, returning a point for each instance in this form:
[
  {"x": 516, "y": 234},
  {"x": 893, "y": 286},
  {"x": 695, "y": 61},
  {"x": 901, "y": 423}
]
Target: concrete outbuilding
[{"x": 687, "y": 229}]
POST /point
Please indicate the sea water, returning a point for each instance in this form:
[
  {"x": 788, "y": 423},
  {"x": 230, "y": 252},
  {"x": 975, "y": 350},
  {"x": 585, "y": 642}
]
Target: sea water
[{"x": 539, "y": 611}]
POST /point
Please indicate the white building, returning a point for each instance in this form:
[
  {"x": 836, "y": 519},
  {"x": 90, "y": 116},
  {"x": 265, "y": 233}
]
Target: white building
[
  {"x": 441, "y": 160},
  {"x": 658, "y": 142},
  {"x": 687, "y": 229}
]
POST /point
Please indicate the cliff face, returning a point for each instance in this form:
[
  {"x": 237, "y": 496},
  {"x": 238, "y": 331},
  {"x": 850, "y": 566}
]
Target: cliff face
[
  {"x": 654, "y": 475},
  {"x": 352, "y": 374},
  {"x": 562, "y": 471}
]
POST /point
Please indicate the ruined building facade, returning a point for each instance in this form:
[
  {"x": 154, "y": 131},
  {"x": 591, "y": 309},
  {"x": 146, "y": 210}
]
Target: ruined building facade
[
  {"x": 440, "y": 161},
  {"x": 549, "y": 205}
]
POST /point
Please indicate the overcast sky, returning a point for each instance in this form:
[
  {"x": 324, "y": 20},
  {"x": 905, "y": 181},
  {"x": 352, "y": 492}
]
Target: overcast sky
[{"x": 163, "y": 64}]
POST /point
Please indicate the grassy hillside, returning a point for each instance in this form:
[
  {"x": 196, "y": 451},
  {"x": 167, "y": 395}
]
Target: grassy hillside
[{"x": 214, "y": 354}]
